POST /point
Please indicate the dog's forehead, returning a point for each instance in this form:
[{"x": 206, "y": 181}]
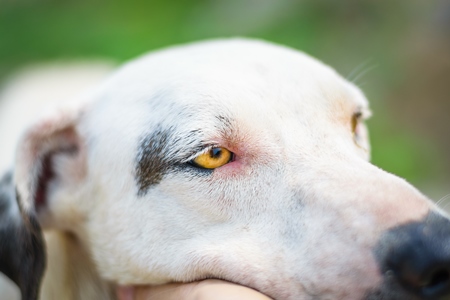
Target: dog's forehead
[{"x": 237, "y": 75}]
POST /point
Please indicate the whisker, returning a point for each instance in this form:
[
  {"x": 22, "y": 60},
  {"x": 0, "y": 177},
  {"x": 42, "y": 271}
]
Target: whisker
[
  {"x": 358, "y": 68},
  {"x": 360, "y": 85},
  {"x": 443, "y": 199},
  {"x": 444, "y": 208},
  {"x": 364, "y": 72}
]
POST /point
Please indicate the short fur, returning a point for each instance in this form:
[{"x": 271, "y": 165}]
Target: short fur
[{"x": 297, "y": 215}]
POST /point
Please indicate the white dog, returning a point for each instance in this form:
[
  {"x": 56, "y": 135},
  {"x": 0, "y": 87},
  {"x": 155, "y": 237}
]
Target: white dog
[{"x": 234, "y": 159}]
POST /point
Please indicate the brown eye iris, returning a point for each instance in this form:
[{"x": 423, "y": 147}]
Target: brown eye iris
[{"x": 214, "y": 158}]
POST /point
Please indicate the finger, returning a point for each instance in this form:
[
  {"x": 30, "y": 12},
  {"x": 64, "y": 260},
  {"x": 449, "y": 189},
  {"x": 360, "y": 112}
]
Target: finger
[
  {"x": 203, "y": 290},
  {"x": 173, "y": 291},
  {"x": 125, "y": 293},
  {"x": 222, "y": 290}
]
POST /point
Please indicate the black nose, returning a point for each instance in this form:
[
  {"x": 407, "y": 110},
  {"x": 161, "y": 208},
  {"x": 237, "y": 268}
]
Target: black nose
[{"x": 418, "y": 257}]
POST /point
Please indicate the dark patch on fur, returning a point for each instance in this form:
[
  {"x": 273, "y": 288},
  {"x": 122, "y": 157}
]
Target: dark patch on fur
[
  {"x": 165, "y": 149},
  {"x": 418, "y": 243},
  {"x": 22, "y": 249},
  {"x": 162, "y": 151},
  {"x": 152, "y": 162}
]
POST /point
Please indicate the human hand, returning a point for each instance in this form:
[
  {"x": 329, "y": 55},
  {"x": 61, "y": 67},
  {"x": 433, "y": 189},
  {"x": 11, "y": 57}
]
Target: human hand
[{"x": 202, "y": 290}]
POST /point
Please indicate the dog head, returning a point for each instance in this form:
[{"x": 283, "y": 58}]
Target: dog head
[{"x": 237, "y": 160}]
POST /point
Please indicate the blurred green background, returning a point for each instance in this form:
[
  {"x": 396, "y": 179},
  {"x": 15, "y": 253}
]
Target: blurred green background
[{"x": 400, "y": 49}]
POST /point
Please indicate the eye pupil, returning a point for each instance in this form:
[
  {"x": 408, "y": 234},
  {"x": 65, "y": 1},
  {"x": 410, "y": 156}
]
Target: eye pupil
[{"x": 216, "y": 152}]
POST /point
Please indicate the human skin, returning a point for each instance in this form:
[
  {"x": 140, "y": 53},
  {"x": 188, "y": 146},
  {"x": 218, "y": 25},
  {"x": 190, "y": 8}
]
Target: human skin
[{"x": 203, "y": 290}]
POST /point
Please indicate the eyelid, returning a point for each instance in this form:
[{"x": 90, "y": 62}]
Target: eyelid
[
  {"x": 363, "y": 113},
  {"x": 205, "y": 149},
  {"x": 358, "y": 115}
]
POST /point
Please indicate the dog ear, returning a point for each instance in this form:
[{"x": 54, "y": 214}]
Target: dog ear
[
  {"x": 22, "y": 249},
  {"x": 49, "y": 161},
  {"x": 50, "y": 164}
]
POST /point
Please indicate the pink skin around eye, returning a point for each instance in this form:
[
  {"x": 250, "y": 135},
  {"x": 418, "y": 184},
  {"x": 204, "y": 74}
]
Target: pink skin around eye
[
  {"x": 238, "y": 163},
  {"x": 232, "y": 168},
  {"x": 248, "y": 150}
]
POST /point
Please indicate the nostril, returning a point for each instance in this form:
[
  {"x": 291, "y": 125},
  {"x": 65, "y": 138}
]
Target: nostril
[
  {"x": 415, "y": 259},
  {"x": 424, "y": 275},
  {"x": 435, "y": 282},
  {"x": 428, "y": 282}
]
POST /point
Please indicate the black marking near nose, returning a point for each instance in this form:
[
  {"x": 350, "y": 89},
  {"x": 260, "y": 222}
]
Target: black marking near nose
[{"x": 414, "y": 259}]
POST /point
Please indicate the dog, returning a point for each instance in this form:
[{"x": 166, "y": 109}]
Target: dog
[{"x": 233, "y": 159}]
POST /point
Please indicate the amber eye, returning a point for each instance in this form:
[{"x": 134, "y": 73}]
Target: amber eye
[{"x": 214, "y": 158}]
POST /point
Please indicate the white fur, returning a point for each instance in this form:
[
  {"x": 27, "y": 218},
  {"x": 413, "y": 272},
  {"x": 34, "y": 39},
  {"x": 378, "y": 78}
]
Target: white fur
[
  {"x": 27, "y": 95},
  {"x": 296, "y": 214}
]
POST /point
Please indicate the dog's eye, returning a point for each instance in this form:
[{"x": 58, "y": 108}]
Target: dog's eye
[
  {"x": 357, "y": 129},
  {"x": 356, "y": 119},
  {"x": 214, "y": 158}
]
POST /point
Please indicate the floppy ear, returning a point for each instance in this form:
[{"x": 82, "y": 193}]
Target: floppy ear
[
  {"x": 50, "y": 165},
  {"x": 22, "y": 249}
]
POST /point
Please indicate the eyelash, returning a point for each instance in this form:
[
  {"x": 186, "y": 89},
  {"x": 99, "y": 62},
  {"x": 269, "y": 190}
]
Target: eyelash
[{"x": 202, "y": 149}]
